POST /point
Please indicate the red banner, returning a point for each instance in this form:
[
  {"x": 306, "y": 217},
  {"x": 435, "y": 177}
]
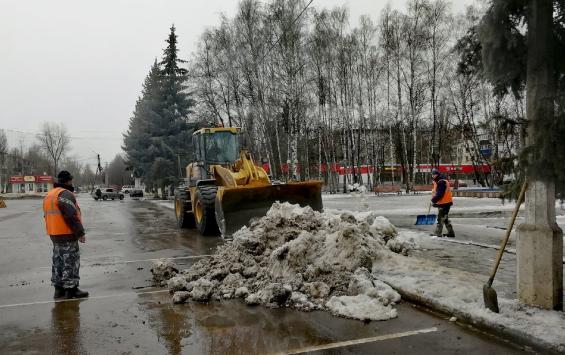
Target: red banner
[
  {"x": 44, "y": 178},
  {"x": 365, "y": 169},
  {"x": 31, "y": 178}
]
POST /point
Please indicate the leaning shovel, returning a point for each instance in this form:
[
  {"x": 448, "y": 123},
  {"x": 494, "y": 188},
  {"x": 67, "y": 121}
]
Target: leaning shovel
[{"x": 489, "y": 294}]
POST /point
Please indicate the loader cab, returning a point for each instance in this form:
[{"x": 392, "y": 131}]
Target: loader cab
[{"x": 216, "y": 146}]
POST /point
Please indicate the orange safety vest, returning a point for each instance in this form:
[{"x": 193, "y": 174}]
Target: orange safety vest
[
  {"x": 54, "y": 221},
  {"x": 447, "y": 196}
]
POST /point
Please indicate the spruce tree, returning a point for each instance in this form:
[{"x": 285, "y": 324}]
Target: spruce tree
[
  {"x": 173, "y": 130},
  {"x": 138, "y": 138},
  {"x": 158, "y": 141}
]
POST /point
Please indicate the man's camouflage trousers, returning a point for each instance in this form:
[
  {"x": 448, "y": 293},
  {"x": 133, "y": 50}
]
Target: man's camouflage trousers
[{"x": 66, "y": 264}]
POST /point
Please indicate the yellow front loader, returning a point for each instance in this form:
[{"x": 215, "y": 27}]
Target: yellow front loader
[{"x": 224, "y": 189}]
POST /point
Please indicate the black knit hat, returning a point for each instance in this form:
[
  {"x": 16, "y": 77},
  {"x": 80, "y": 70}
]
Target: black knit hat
[{"x": 63, "y": 177}]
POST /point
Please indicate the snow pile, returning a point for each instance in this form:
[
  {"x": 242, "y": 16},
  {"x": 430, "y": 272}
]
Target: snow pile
[
  {"x": 373, "y": 299},
  {"x": 405, "y": 241},
  {"x": 357, "y": 188},
  {"x": 162, "y": 271},
  {"x": 296, "y": 257}
]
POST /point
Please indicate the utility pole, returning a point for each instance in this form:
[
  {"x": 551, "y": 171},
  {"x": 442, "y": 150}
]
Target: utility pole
[
  {"x": 106, "y": 174},
  {"x": 98, "y": 170},
  {"x": 540, "y": 240}
]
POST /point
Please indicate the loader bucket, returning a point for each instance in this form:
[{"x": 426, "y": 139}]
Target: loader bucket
[{"x": 236, "y": 206}]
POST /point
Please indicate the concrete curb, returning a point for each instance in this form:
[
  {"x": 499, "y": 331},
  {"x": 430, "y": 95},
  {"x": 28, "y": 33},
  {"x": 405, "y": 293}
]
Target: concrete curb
[
  {"x": 478, "y": 194},
  {"x": 515, "y": 335}
]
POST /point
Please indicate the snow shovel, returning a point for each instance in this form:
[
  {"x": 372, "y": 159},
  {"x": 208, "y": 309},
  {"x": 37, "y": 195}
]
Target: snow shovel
[
  {"x": 426, "y": 219},
  {"x": 489, "y": 294}
]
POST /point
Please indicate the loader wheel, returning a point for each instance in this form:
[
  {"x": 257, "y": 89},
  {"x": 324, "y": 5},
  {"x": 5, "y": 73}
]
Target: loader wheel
[
  {"x": 204, "y": 210},
  {"x": 185, "y": 219}
]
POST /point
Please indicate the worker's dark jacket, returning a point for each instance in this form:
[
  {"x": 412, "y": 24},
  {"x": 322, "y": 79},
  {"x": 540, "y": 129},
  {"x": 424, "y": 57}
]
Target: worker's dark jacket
[
  {"x": 67, "y": 203},
  {"x": 441, "y": 188}
]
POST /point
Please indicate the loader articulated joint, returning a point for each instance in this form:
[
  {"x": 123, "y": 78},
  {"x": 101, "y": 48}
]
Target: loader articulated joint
[{"x": 205, "y": 182}]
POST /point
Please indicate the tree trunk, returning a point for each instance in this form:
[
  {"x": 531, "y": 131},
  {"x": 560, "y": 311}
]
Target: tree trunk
[{"x": 540, "y": 240}]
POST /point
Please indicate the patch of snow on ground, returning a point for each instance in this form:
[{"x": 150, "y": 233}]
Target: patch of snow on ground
[
  {"x": 460, "y": 293},
  {"x": 405, "y": 241},
  {"x": 360, "y": 307},
  {"x": 296, "y": 257}
]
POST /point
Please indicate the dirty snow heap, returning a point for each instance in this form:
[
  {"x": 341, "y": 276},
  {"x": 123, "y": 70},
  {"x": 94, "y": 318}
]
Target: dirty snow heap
[{"x": 296, "y": 257}]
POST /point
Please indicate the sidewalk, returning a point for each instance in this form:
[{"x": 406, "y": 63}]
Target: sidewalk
[
  {"x": 459, "y": 293},
  {"x": 448, "y": 275}
]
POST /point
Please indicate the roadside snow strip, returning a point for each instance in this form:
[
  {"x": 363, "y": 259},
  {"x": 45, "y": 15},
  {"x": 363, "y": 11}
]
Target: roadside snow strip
[
  {"x": 296, "y": 257},
  {"x": 459, "y": 293}
]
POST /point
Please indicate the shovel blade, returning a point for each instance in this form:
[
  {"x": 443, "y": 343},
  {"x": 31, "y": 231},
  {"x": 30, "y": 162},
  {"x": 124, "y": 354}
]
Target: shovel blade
[
  {"x": 425, "y": 219},
  {"x": 490, "y": 298},
  {"x": 421, "y": 219}
]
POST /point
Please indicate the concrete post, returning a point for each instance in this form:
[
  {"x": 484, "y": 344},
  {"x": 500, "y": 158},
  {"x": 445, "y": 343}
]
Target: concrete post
[{"x": 540, "y": 250}]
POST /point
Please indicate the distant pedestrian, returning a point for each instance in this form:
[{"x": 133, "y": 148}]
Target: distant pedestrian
[
  {"x": 442, "y": 199},
  {"x": 98, "y": 194},
  {"x": 63, "y": 222}
]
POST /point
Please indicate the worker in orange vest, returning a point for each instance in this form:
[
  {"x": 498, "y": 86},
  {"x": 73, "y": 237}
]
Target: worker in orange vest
[
  {"x": 443, "y": 200},
  {"x": 63, "y": 222}
]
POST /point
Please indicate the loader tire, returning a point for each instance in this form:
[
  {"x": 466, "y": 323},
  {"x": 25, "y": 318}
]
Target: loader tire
[
  {"x": 185, "y": 218},
  {"x": 204, "y": 210}
]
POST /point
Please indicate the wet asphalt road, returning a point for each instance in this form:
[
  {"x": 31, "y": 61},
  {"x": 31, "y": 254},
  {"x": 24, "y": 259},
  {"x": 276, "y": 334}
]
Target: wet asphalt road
[{"x": 126, "y": 315}]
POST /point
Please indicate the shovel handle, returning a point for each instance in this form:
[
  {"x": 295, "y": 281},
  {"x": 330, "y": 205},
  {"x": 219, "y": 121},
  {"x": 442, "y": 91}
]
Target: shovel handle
[
  {"x": 508, "y": 231},
  {"x": 429, "y": 208}
]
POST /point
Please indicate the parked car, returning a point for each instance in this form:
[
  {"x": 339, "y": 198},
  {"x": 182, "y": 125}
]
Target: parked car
[
  {"x": 126, "y": 189},
  {"x": 136, "y": 193},
  {"x": 108, "y": 193}
]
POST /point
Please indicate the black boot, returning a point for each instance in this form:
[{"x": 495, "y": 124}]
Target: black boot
[
  {"x": 59, "y": 292},
  {"x": 75, "y": 293},
  {"x": 450, "y": 232}
]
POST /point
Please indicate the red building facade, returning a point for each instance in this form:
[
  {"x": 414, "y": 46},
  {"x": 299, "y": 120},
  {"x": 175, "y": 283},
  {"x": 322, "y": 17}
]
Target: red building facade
[{"x": 31, "y": 183}]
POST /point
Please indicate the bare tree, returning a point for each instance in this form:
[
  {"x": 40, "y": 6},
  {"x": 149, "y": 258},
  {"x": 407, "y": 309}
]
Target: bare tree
[
  {"x": 3, "y": 142},
  {"x": 54, "y": 141},
  {"x": 3, "y": 156},
  {"x": 320, "y": 98}
]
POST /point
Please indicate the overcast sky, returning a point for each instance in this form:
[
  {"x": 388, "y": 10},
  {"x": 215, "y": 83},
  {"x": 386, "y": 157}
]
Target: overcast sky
[{"x": 82, "y": 63}]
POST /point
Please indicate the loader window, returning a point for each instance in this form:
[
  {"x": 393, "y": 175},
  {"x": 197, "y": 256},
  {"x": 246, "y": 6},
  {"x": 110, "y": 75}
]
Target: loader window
[{"x": 221, "y": 147}]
